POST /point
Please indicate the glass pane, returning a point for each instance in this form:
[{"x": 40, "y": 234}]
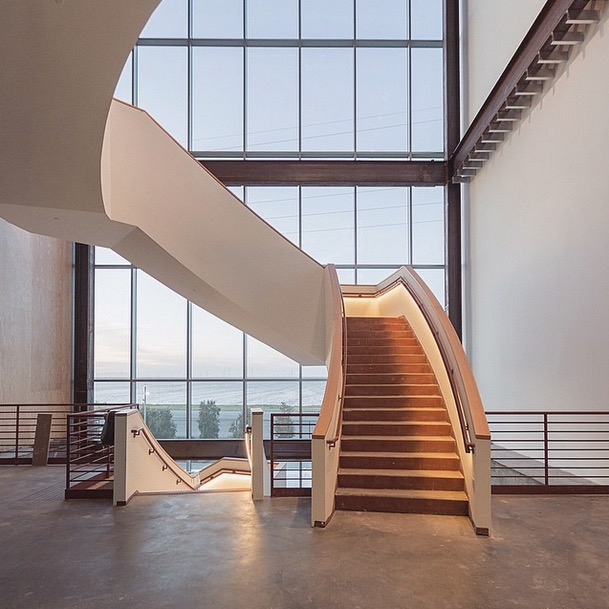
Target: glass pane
[
  {"x": 112, "y": 341},
  {"x": 346, "y": 276},
  {"x": 123, "y": 87},
  {"x": 163, "y": 406},
  {"x": 327, "y": 99},
  {"x": 162, "y": 87},
  {"x": 373, "y": 276},
  {"x": 273, "y": 396},
  {"x": 312, "y": 395},
  {"x": 263, "y": 361},
  {"x": 272, "y": 18},
  {"x": 103, "y": 255},
  {"x": 111, "y": 393},
  {"x": 427, "y": 100},
  {"x": 323, "y": 19},
  {"x": 217, "y": 18},
  {"x": 169, "y": 20},
  {"x": 272, "y": 99},
  {"x": 237, "y": 191},
  {"x": 217, "y": 108},
  {"x": 278, "y": 206},
  {"x": 328, "y": 224},
  {"x": 217, "y": 410},
  {"x": 317, "y": 372},
  {"x": 386, "y": 20},
  {"x": 382, "y": 100},
  {"x": 382, "y": 225},
  {"x": 434, "y": 278},
  {"x": 217, "y": 347},
  {"x": 428, "y": 225},
  {"x": 161, "y": 330},
  {"x": 426, "y": 19}
]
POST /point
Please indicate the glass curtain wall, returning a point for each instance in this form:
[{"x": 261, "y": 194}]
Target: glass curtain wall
[
  {"x": 274, "y": 79},
  {"x": 294, "y": 78}
]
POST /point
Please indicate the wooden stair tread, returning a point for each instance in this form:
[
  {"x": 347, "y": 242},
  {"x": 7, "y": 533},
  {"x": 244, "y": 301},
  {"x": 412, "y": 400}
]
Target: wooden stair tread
[
  {"x": 401, "y": 438},
  {"x": 402, "y": 423},
  {"x": 402, "y": 493},
  {"x": 397, "y": 455},
  {"x": 393, "y": 395},
  {"x": 405, "y": 473},
  {"x": 384, "y": 397},
  {"x": 390, "y": 409}
]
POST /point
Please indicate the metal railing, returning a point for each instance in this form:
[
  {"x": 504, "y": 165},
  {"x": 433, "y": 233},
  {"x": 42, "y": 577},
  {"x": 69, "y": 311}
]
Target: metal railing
[
  {"x": 18, "y": 429},
  {"x": 290, "y": 455},
  {"x": 90, "y": 463},
  {"x": 550, "y": 452}
]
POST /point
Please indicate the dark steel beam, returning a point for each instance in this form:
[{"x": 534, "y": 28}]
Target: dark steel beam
[
  {"x": 83, "y": 324},
  {"x": 452, "y": 191},
  {"x": 329, "y": 173},
  {"x": 550, "y": 17}
]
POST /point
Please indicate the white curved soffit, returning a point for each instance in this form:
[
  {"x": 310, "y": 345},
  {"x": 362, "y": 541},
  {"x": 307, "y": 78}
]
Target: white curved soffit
[{"x": 78, "y": 166}]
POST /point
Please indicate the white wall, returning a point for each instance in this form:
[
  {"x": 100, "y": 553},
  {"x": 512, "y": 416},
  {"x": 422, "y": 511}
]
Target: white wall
[
  {"x": 494, "y": 29},
  {"x": 539, "y": 250}
]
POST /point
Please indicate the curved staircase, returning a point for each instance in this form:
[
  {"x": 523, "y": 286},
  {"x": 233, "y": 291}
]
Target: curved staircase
[{"x": 397, "y": 449}]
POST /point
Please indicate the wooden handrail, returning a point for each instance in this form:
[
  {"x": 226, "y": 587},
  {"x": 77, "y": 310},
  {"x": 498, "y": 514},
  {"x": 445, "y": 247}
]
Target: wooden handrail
[{"x": 334, "y": 392}]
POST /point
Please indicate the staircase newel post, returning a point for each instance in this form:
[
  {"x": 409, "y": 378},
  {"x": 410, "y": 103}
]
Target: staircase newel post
[{"x": 258, "y": 456}]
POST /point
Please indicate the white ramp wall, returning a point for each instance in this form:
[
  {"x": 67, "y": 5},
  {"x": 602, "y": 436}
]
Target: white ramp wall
[{"x": 200, "y": 240}]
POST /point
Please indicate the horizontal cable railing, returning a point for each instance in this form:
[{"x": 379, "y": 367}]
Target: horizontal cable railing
[
  {"x": 18, "y": 424},
  {"x": 291, "y": 453},
  {"x": 542, "y": 451},
  {"x": 90, "y": 462}
]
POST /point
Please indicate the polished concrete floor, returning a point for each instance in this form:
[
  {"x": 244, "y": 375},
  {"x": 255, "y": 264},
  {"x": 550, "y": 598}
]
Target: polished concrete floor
[{"x": 223, "y": 551}]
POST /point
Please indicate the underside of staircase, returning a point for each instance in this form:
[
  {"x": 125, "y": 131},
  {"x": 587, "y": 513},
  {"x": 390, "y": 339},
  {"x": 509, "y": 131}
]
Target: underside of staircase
[{"x": 397, "y": 449}]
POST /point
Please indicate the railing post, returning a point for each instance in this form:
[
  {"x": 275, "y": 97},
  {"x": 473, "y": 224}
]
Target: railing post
[
  {"x": 546, "y": 451},
  {"x": 258, "y": 456},
  {"x": 68, "y": 452},
  {"x": 272, "y": 455},
  {"x": 17, "y": 434}
]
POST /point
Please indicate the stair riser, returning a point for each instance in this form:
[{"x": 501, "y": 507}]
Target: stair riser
[
  {"x": 399, "y": 369},
  {"x": 388, "y": 342},
  {"x": 395, "y": 401},
  {"x": 402, "y": 505},
  {"x": 376, "y": 322},
  {"x": 391, "y": 379},
  {"x": 389, "y": 390},
  {"x": 378, "y": 414},
  {"x": 406, "y": 462},
  {"x": 400, "y": 482},
  {"x": 384, "y": 350},
  {"x": 354, "y": 444},
  {"x": 382, "y": 334},
  {"x": 395, "y": 429},
  {"x": 383, "y": 360}
]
